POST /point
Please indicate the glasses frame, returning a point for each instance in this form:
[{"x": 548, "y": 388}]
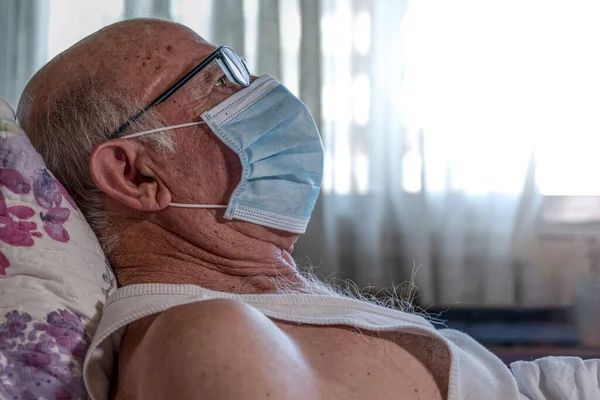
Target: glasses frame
[{"x": 225, "y": 61}]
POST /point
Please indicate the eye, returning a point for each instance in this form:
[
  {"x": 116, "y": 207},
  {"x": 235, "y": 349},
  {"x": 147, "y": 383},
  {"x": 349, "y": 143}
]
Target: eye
[{"x": 222, "y": 82}]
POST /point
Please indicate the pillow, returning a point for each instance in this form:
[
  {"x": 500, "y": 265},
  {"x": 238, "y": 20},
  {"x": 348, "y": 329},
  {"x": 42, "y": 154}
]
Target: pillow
[{"x": 54, "y": 277}]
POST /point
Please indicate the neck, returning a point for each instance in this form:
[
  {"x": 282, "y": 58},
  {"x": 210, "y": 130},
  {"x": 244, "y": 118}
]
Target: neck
[{"x": 224, "y": 260}]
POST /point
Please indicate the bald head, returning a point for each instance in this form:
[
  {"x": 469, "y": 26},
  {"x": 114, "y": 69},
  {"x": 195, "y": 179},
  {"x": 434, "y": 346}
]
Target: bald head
[
  {"x": 138, "y": 57},
  {"x": 76, "y": 100}
]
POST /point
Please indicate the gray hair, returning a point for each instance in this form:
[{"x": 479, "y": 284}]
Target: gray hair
[{"x": 75, "y": 119}]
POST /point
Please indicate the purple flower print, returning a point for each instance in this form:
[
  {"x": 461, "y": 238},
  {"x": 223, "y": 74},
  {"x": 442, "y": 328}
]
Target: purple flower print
[
  {"x": 21, "y": 212},
  {"x": 36, "y": 359},
  {"x": 44, "y": 189},
  {"x": 66, "y": 329},
  {"x": 43, "y": 344},
  {"x": 21, "y": 170},
  {"x": 14, "y": 181},
  {"x": 53, "y": 223},
  {"x": 15, "y": 232},
  {"x": 14, "y": 326},
  {"x": 65, "y": 319},
  {"x": 48, "y": 191},
  {"x": 43, "y": 360}
]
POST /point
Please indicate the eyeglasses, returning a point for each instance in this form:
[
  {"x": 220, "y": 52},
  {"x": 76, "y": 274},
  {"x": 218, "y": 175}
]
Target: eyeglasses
[{"x": 234, "y": 67}]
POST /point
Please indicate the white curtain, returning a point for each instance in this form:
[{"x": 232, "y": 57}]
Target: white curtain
[
  {"x": 442, "y": 123},
  {"x": 23, "y": 44}
]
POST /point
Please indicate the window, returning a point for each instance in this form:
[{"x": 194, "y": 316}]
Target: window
[{"x": 482, "y": 87}]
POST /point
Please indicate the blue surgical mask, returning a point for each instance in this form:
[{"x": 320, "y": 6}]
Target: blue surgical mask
[{"x": 280, "y": 150}]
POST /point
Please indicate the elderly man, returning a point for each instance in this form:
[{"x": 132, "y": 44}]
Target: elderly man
[{"x": 198, "y": 178}]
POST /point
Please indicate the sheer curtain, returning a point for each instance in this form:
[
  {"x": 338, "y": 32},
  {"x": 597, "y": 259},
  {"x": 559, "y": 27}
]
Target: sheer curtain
[
  {"x": 23, "y": 44},
  {"x": 442, "y": 123}
]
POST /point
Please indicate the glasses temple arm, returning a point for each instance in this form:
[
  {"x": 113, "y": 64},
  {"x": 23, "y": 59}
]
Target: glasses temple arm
[{"x": 168, "y": 93}]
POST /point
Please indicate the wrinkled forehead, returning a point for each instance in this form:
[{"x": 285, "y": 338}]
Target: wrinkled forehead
[{"x": 151, "y": 68}]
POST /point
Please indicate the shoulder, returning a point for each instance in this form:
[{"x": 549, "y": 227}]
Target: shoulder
[{"x": 223, "y": 348}]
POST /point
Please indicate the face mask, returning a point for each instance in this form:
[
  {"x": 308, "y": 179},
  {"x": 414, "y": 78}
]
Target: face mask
[{"x": 280, "y": 150}]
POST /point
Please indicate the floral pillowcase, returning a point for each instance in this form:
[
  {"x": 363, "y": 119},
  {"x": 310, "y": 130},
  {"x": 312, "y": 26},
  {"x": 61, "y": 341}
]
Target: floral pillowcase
[{"x": 54, "y": 277}]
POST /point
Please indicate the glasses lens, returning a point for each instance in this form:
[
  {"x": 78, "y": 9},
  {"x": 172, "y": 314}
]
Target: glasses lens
[{"x": 236, "y": 67}]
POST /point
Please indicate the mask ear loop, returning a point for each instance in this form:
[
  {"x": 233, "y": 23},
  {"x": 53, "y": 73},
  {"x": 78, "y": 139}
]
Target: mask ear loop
[
  {"x": 167, "y": 128},
  {"x": 183, "y": 205}
]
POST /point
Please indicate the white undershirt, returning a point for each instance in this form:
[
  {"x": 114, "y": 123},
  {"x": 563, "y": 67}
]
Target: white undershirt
[{"x": 475, "y": 373}]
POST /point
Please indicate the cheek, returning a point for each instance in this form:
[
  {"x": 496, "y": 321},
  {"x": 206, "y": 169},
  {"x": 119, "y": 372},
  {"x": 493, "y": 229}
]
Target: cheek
[
  {"x": 231, "y": 170},
  {"x": 217, "y": 96},
  {"x": 209, "y": 165}
]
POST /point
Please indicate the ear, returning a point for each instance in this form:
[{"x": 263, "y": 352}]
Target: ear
[{"x": 122, "y": 170}]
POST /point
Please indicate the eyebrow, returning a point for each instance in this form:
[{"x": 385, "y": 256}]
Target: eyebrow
[{"x": 205, "y": 78}]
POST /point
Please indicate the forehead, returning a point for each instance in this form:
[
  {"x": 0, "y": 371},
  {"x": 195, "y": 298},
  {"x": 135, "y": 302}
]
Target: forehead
[
  {"x": 146, "y": 58},
  {"x": 163, "y": 67}
]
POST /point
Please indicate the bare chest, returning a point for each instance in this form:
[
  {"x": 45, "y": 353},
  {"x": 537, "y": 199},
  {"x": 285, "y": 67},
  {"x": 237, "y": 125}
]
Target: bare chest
[{"x": 351, "y": 364}]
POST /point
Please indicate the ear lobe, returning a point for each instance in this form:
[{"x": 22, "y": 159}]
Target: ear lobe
[{"x": 119, "y": 168}]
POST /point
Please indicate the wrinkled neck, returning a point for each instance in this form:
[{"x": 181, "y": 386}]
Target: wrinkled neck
[{"x": 224, "y": 260}]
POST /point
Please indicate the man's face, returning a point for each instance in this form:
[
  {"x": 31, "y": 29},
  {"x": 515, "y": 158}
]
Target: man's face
[{"x": 202, "y": 170}]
